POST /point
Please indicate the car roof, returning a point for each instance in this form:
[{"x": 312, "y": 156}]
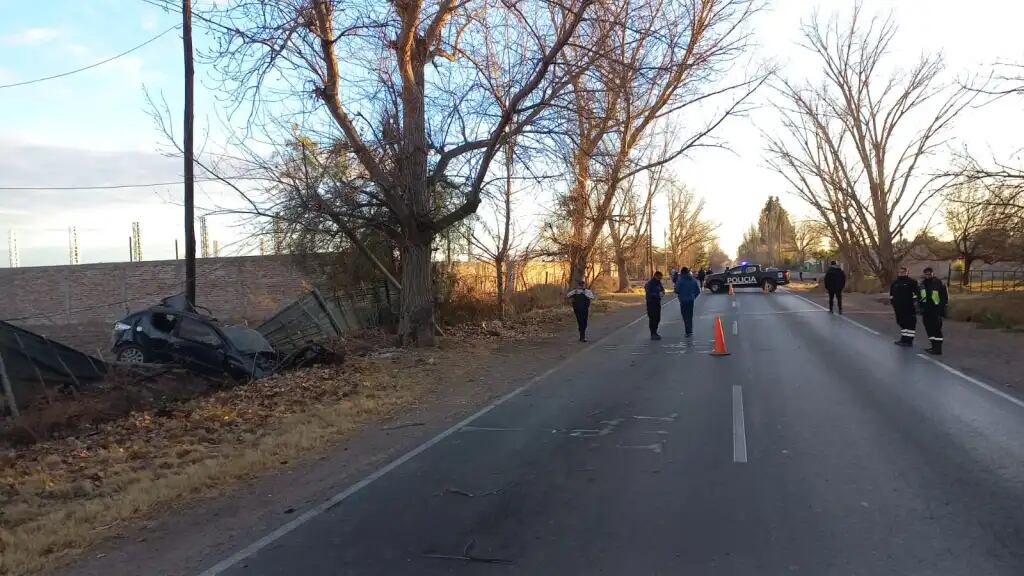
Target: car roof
[{"x": 174, "y": 312}]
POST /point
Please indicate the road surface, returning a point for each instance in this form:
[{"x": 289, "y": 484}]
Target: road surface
[{"x": 817, "y": 447}]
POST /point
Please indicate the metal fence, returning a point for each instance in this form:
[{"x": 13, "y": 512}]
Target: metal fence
[
  {"x": 987, "y": 280},
  {"x": 317, "y": 316}
]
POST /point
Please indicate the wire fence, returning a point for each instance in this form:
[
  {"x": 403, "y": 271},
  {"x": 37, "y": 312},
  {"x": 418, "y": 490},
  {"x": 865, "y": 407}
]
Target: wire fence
[{"x": 987, "y": 280}]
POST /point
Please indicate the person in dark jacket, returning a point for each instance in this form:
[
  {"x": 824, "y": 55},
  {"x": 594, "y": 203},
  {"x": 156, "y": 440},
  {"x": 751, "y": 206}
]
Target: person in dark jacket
[
  {"x": 933, "y": 309},
  {"x": 653, "y": 291},
  {"x": 835, "y": 281},
  {"x": 674, "y": 274},
  {"x": 903, "y": 294},
  {"x": 701, "y": 275},
  {"x": 687, "y": 290},
  {"x": 581, "y": 298}
]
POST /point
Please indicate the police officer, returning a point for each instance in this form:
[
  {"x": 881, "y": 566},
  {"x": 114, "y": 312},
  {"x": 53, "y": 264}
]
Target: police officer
[
  {"x": 653, "y": 291},
  {"x": 903, "y": 295},
  {"x": 933, "y": 309},
  {"x": 580, "y": 298}
]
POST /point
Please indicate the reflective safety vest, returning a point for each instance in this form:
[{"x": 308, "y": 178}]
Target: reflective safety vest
[{"x": 936, "y": 297}]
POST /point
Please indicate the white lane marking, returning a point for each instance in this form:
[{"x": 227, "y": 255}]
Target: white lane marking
[
  {"x": 854, "y": 322},
  {"x": 974, "y": 381},
  {"x": 338, "y": 498},
  {"x": 861, "y": 326},
  {"x": 735, "y": 328},
  {"x": 739, "y": 431}
]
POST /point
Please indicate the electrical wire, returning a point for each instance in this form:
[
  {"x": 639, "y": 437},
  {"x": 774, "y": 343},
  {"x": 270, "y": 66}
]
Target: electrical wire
[
  {"x": 117, "y": 186},
  {"x": 94, "y": 65}
]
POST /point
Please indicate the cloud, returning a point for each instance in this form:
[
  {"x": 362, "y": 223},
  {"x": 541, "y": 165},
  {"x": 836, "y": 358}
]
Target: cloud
[{"x": 30, "y": 37}]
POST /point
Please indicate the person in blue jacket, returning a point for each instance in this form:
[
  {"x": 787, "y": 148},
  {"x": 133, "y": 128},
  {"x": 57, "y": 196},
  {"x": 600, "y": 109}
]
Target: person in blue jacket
[{"x": 687, "y": 289}]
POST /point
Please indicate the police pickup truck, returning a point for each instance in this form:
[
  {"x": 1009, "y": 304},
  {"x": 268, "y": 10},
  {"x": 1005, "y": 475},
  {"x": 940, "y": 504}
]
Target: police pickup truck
[{"x": 746, "y": 276}]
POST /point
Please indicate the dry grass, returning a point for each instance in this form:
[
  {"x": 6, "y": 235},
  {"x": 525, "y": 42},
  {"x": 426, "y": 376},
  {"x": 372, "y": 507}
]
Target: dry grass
[
  {"x": 61, "y": 496},
  {"x": 989, "y": 310}
]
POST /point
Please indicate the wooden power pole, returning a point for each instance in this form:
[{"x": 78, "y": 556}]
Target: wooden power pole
[{"x": 190, "y": 232}]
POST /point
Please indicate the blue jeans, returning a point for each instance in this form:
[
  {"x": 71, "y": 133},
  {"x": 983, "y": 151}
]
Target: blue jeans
[{"x": 687, "y": 309}]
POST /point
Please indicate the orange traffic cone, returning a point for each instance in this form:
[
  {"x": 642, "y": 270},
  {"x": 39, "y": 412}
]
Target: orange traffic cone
[
  {"x": 719, "y": 339},
  {"x": 731, "y": 291}
]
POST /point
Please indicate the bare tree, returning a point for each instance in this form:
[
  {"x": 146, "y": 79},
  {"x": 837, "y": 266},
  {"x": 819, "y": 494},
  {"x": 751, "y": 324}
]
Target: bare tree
[
  {"x": 660, "y": 59},
  {"x": 808, "y": 236},
  {"x": 688, "y": 227},
  {"x": 501, "y": 243},
  {"x": 980, "y": 227},
  {"x": 849, "y": 146},
  {"x": 629, "y": 227},
  {"x": 413, "y": 103}
]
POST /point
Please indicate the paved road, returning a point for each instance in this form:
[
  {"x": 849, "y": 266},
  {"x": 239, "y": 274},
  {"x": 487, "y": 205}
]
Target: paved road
[{"x": 639, "y": 457}]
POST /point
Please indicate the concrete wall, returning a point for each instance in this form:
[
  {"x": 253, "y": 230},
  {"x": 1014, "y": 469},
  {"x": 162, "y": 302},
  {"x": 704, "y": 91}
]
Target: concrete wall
[{"x": 249, "y": 288}]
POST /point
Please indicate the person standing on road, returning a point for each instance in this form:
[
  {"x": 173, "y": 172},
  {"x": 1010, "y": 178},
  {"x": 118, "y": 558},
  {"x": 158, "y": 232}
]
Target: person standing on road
[
  {"x": 653, "y": 291},
  {"x": 933, "y": 309},
  {"x": 674, "y": 275},
  {"x": 688, "y": 290},
  {"x": 581, "y": 298},
  {"x": 835, "y": 281},
  {"x": 701, "y": 275},
  {"x": 903, "y": 294}
]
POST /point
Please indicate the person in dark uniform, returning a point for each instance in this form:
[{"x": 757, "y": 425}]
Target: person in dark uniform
[
  {"x": 933, "y": 309},
  {"x": 580, "y": 298},
  {"x": 835, "y": 281},
  {"x": 653, "y": 291},
  {"x": 903, "y": 294},
  {"x": 701, "y": 275},
  {"x": 687, "y": 291}
]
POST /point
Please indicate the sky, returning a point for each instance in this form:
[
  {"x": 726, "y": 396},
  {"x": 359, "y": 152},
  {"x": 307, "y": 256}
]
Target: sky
[{"x": 94, "y": 128}]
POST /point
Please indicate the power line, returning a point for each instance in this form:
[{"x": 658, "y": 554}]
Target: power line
[
  {"x": 117, "y": 186},
  {"x": 91, "y": 66}
]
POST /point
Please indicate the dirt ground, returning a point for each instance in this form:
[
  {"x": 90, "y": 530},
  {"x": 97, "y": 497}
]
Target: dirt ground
[
  {"x": 364, "y": 423},
  {"x": 994, "y": 356}
]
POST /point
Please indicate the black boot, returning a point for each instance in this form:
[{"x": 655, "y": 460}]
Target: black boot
[
  {"x": 936, "y": 349},
  {"x": 655, "y": 336}
]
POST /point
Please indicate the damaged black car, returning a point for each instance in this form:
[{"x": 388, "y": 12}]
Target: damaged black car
[{"x": 171, "y": 333}]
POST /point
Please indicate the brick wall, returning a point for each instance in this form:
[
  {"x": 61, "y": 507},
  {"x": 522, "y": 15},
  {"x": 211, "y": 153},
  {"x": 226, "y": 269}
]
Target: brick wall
[{"x": 248, "y": 288}]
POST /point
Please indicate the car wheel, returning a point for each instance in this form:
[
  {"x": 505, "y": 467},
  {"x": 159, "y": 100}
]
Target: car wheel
[
  {"x": 131, "y": 355},
  {"x": 715, "y": 287},
  {"x": 770, "y": 285}
]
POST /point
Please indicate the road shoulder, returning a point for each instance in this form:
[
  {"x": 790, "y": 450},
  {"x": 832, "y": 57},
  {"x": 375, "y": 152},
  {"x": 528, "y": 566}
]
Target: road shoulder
[
  {"x": 204, "y": 531},
  {"x": 993, "y": 356}
]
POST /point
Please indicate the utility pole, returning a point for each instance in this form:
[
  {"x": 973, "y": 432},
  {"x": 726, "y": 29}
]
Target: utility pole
[{"x": 190, "y": 233}]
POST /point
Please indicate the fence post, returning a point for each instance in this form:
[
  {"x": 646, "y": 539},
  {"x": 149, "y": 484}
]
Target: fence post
[
  {"x": 12, "y": 403},
  {"x": 949, "y": 274}
]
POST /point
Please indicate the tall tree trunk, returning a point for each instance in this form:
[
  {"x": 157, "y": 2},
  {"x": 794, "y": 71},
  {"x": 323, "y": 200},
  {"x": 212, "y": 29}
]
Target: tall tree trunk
[
  {"x": 499, "y": 278},
  {"x": 965, "y": 276},
  {"x": 578, "y": 257},
  {"x": 620, "y": 256},
  {"x": 417, "y": 302}
]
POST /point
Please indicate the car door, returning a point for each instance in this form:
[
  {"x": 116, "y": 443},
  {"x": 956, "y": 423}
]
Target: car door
[
  {"x": 734, "y": 276},
  {"x": 199, "y": 346},
  {"x": 154, "y": 333}
]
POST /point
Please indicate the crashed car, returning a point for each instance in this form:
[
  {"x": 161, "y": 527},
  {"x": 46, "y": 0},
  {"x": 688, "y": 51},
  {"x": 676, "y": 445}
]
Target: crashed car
[{"x": 175, "y": 334}]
